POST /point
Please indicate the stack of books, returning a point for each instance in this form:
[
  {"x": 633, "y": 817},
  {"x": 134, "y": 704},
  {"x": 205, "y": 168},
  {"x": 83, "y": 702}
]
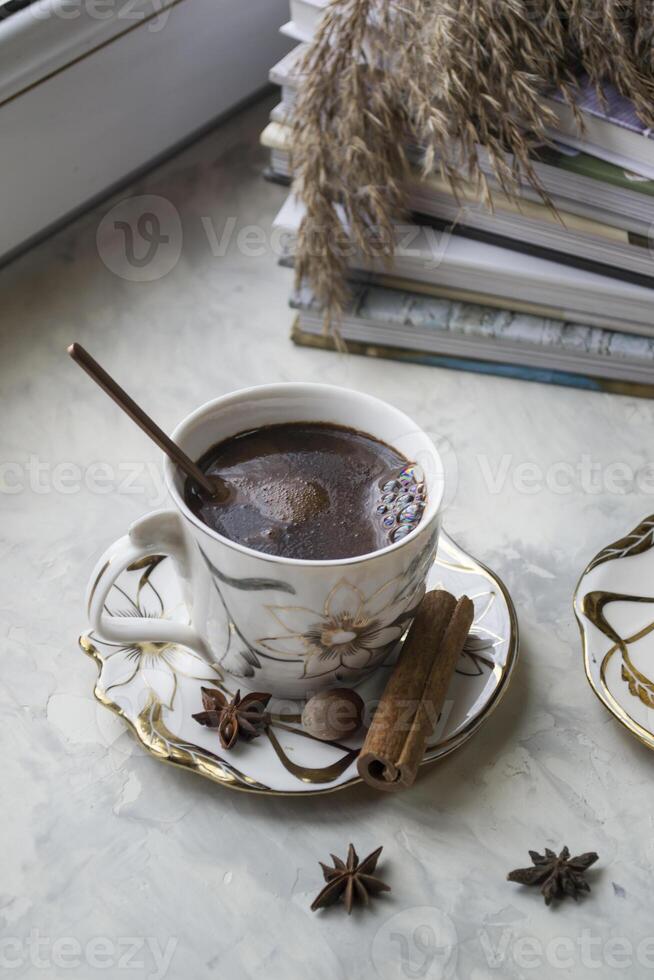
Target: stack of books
[{"x": 562, "y": 294}]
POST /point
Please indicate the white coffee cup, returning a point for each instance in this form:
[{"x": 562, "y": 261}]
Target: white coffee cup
[{"x": 281, "y": 625}]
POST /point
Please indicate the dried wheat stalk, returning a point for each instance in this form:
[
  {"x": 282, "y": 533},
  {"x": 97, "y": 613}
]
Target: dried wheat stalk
[{"x": 449, "y": 76}]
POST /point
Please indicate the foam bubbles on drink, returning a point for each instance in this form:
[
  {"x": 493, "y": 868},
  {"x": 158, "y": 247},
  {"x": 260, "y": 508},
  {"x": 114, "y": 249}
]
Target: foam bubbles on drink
[{"x": 401, "y": 502}]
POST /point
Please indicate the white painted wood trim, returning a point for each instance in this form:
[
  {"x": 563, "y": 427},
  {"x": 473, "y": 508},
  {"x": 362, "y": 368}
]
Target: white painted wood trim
[
  {"x": 50, "y": 34},
  {"x": 68, "y": 139}
]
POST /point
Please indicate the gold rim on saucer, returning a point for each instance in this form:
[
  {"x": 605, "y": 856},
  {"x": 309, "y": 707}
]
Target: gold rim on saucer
[
  {"x": 489, "y": 652},
  {"x": 616, "y": 578}
]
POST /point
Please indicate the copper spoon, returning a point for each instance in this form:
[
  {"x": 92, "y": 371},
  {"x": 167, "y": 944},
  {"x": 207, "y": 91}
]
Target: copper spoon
[{"x": 213, "y": 485}]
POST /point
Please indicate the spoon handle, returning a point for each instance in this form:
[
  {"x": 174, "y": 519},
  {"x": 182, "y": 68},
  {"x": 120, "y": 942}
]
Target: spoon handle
[{"x": 213, "y": 485}]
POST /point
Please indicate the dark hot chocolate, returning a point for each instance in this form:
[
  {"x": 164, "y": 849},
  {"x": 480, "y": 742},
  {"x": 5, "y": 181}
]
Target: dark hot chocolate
[{"x": 310, "y": 490}]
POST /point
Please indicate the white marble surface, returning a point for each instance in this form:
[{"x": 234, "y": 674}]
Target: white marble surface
[{"x": 102, "y": 845}]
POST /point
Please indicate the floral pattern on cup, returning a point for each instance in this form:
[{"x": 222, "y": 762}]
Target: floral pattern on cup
[{"x": 352, "y": 630}]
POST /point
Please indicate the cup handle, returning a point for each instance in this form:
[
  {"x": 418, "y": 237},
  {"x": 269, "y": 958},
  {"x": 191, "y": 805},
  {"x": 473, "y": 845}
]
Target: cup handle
[{"x": 156, "y": 534}]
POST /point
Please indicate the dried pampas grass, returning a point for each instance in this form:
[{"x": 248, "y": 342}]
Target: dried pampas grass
[
  {"x": 350, "y": 129},
  {"x": 448, "y": 76}
]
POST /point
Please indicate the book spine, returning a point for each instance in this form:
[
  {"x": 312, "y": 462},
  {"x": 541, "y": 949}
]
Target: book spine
[{"x": 566, "y": 379}]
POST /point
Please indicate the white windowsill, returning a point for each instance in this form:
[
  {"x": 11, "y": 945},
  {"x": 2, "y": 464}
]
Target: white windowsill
[
  {"x": 51, "y": 34},
  {"x": 85, "y": 103}
]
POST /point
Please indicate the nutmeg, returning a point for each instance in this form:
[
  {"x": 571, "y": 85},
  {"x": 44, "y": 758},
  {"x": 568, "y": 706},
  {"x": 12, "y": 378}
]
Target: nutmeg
[{"x": 333, "y": 714}]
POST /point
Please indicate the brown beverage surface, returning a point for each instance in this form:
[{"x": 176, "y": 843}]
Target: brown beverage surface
[{"x": 305, "y": 490}]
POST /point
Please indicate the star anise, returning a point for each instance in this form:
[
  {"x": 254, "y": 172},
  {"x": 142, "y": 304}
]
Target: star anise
[
  {"x": 242, "y": 717},
  {"x": 557, "y": 876},
  {"x": 350, "y": 880}
]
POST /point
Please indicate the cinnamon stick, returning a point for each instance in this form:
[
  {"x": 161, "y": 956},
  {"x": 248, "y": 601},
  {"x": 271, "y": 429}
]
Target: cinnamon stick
[{"x": 415, "y": 692}]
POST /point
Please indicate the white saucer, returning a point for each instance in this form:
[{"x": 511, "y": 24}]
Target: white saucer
[
  {"x": 156, "y": 688},
  {"x": 614, "y": 604}
]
